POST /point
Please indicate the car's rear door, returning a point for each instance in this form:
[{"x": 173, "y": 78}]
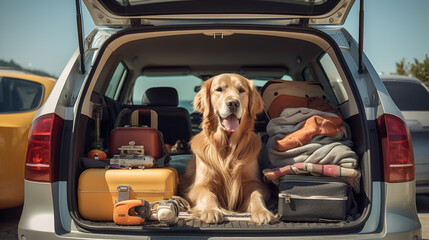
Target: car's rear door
[{"x": 127, "y": 13}]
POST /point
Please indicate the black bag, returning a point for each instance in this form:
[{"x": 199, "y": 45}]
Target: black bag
[{"x": 313, "y": 199}]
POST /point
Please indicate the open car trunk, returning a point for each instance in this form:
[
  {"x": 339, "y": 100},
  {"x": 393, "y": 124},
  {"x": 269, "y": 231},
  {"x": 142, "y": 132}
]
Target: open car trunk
[{"x": 193, "y": 54}]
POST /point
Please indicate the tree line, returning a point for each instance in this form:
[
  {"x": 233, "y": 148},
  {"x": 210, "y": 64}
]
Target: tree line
[{"x": 416, "y": 68}]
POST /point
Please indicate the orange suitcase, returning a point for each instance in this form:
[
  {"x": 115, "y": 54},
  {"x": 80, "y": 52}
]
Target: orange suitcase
[{"x": 99, "y": 189}]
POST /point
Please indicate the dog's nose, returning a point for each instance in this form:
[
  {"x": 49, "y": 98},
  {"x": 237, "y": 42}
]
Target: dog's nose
[{"x": 233, "y": 104}]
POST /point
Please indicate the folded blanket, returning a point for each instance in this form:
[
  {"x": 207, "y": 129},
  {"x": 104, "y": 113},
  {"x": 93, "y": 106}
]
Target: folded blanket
[
  {"x": 352, "y": 176},
  {"x": 321, "y": 149},
  {"x": 315, "y": 125},
  {"x": 338, "y": 153},
  {"x": 291, "y": 119}
]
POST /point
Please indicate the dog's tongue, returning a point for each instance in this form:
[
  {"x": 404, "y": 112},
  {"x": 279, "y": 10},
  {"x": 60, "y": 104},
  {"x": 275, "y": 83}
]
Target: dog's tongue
[{"x": 231, "y": 123}]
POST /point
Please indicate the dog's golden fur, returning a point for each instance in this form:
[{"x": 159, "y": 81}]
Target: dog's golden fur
[{"x": 224, "y": 175}]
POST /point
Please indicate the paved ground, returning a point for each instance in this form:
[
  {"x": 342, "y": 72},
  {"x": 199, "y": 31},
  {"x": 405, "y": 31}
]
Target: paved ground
[
  {"x": 9, "y": 219},
  {"x": 422, "y": 203}
]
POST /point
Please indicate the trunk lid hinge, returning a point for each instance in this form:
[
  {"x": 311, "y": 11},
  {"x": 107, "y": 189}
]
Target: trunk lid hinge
[
  {"x": 299, "y": 22},
  {"x": 303, "y": 22},
  {"x": 135, "y": 22},
  {"x": 138, "y": 22}
]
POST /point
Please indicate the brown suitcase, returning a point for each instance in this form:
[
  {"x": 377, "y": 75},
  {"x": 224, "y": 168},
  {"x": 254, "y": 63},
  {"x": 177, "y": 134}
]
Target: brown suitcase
[
  {"x": 144, "y": 134},
  {"x": 149, "y": 138},
  {"x": 100, "y": 189}
]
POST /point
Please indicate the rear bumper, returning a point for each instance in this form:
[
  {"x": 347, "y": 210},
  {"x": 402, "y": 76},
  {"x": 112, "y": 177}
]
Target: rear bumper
[
  {"x": 44, "y": 218},
  {"x": 37, "y": 218}
]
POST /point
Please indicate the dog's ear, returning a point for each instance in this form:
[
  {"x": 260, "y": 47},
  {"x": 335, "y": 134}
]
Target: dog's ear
[
  {"x": 256, "y": 104},
  {"x": 201, "y": 101},
  {"x": 198, "y": 101}
]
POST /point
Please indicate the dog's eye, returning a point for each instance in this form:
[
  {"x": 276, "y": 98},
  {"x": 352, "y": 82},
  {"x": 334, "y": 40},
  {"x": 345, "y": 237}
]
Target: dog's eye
[
  {"x": 219, "y": 89},
  {"x": 241, "y": 90}
]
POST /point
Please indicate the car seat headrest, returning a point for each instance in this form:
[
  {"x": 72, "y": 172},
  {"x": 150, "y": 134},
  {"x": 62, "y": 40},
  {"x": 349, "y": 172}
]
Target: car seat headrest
[{"x": 161, "y": 96}]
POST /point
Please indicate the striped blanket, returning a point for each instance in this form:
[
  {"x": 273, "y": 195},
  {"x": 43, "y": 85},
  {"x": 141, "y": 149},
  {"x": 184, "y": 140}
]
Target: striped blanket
[{"x": 352, "y": 176}]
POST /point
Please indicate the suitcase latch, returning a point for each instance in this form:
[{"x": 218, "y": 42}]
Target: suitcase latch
[
  {"x": 123, "y": 193},
  {"x": 131, "y": 148}
]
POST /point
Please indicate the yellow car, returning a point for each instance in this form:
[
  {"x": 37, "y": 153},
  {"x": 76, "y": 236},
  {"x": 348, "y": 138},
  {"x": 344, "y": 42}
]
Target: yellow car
[{"x": 21, "y": 95}]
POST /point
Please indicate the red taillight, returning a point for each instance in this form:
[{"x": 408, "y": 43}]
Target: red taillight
[
  {"x": 44, "y": 145},
  {"x": 398, "y": 155}
]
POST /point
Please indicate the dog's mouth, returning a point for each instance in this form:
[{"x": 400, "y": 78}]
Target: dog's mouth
[{"x": 230, "y": 123}]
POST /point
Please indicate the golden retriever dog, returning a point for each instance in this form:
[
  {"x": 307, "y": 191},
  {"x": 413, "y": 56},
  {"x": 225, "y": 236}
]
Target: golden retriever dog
[{"x": 224, "y": 175}]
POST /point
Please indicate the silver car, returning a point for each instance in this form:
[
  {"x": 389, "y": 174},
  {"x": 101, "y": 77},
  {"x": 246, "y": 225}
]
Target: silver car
[
  {"x": 142, "y": 45},
  {"x": 412, "y": 98}
]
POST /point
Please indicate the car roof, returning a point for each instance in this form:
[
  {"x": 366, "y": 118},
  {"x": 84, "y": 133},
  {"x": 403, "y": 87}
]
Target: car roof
[
  {"x": 12, "y": 71},
  {"x": 399, "y": 78},
  {"x": 8, "y": 72}
]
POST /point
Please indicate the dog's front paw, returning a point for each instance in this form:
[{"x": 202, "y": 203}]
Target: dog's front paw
[
  {"x": 263, "y": 217},
  {"x": 211, "y": 216}
]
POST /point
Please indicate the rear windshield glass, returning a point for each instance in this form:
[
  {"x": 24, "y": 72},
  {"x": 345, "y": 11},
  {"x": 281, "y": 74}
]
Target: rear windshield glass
[
  {"x": 17, "y": 95},
  {"x": 186, "y": 87},
  {"x": 408, "y": 96}
]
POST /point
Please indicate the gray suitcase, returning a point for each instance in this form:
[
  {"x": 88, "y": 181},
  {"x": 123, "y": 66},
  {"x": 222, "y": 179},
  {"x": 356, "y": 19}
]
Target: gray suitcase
[{"x": 313, "y": 199}]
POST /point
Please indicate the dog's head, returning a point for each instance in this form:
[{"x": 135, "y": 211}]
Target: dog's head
[{"x": 228, "y": 102}]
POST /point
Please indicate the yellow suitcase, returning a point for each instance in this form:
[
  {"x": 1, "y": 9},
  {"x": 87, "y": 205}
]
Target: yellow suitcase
[{"x": 100, "y": 189}]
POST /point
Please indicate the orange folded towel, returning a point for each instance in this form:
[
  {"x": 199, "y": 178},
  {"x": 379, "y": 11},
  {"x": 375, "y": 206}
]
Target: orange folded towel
[{"x": 315, "y": 125}]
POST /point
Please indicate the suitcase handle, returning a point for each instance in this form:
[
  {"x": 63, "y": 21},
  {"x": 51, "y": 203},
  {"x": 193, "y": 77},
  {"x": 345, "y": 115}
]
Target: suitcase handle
[{"x": 152, "y": 114}]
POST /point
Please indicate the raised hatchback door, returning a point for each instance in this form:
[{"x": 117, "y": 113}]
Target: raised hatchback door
[{"x": 127, "y": 13}]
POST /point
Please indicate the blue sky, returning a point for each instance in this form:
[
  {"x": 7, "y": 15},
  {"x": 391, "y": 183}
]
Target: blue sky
[{"x": 42, "y": 34}]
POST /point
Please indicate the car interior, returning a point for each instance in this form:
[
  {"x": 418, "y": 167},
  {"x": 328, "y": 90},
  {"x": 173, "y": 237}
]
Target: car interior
[{"x": 163, "y": 71}]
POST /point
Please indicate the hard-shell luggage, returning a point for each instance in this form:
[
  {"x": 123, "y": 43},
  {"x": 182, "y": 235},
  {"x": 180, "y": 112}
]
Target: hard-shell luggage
[
  {"x": 149, "y": 138},
  {"x": 313, "y": 199},
  {"x": 100, "y": 189}
]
